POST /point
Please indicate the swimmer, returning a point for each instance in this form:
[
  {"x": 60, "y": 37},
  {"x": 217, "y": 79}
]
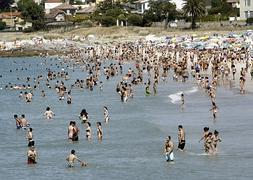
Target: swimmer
[
  {"x": 43, "y": 94},
  {"x": 215, "y": 140},
  {"x": 69, "y": 98},
  {"x": 106, "y": 114},
  {"x": 181, "y": 138},
  {"x": 168, "y": 149},
  {"x": 29, "y": 137},
  {"x": 70, "y": 130},
  {"x": 31, "y": 155},
  {"x": 75, "y": 132},
  {"x": 84, "y": 116},
  {"x": 99, "y": 131},
  {"x": 88, "y": 131},
  {"x": 214, "y": 109},
  {"x": 72, "y": 158},
  {"x": 24, "y": 122},
  {"x": 18, "y": 121},
  {"x": 48, "y": 113},
  {"x": 204, "y": 136}
]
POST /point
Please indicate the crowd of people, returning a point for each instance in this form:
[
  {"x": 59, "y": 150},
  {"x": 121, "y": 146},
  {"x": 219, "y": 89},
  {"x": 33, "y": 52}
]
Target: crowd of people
[{"x": 152, "y": 65}]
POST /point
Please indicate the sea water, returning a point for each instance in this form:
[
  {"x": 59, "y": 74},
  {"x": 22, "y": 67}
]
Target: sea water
[{"x": 133, "y": 141}]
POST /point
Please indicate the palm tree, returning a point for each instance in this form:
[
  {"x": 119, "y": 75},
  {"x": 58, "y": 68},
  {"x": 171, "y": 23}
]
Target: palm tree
[{"x": 194, "y": 8}]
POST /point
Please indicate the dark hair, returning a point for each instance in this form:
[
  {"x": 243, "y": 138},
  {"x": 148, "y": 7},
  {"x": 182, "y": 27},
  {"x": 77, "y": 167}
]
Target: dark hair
[
  {"x": 99, "y": 123},
  {"x": 23, "y": 116},
  {"x": 15, "y": 116},
  {"x": 73, "y": 151},
  {"x": 206, "y": 129},
  {"x": 48, "y": 108},
  {"x": 31, "y": 129},
  {"x": 180, "y": 126}
]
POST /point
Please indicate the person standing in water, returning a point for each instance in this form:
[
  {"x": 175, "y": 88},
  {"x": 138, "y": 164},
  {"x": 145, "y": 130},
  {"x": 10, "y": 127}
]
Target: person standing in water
[
  {"x": 168, "y": 149},
  {"x": 88, "y": 131},
  {"x": 18, "y": 121},
  {"x": 215, "y": 139},
  {"x": 71, "y": 158},
  {"x": 99, "y": 131},
  {"x": 49, "y": 113},
  {"x": 214, "y": 110},
  {"x": 181, "y": 138},
  {"x": 106, "y": 115},
  {"x": 31, "y": 155},
  {"x": 204, "y": 137},
  {"x": 29, "y": 137}
]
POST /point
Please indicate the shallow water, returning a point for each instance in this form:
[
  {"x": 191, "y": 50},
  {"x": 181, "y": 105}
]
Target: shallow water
[{"x": 132, "y": 147}]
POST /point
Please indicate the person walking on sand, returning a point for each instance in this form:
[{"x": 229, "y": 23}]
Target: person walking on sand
[
  {"x": 168, "y": 149},
  {"x": 71, "y": 158}
]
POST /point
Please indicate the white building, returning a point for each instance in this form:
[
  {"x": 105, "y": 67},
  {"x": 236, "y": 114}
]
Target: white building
[
  {"x": 246, "y": 9},
  {"x": 142, "y": 6},
  {"x": 51, "y": 4}
]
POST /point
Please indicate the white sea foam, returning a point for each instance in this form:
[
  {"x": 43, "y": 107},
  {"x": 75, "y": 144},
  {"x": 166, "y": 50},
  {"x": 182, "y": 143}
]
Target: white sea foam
[{"x": 176, "y": 97}]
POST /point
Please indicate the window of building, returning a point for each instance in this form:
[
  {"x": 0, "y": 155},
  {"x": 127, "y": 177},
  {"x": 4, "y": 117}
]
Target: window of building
[
  {"x": 251, "y": 14},
  {"x": 246, "y": 14},
  {"x": 248, "y": 2}
]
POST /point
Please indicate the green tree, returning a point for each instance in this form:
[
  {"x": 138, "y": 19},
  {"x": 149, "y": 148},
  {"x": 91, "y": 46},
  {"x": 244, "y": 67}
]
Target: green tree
[
  {"x": 33, "y": 13},
  {"x": 135, "y": 20},
  {"x": 161, "y": 10},
  {"x": 2, "y": 25},
  {"x": 194, "y": 8},
  {"x": 222, "y": 7},
  {"x": 5, "y": 4}
]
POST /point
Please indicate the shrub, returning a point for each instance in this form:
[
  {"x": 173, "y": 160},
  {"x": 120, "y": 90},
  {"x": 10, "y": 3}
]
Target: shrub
[
  {"x": 249, "y": 21},
  {"x": 28, "y": 30},
  {"x": 2, "y": 25},
  {"x": 135, "y": 20},
  {"x": 108, "y": 21}
]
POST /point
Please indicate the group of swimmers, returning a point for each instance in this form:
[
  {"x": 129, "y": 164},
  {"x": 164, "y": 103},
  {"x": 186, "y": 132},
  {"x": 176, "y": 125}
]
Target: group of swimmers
[
  {"x": 210, "y": 139},
  {"x": 152, "y": 66}
]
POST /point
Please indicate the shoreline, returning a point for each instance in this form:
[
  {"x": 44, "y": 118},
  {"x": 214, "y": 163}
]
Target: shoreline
[{"x": 55, "y": 43}]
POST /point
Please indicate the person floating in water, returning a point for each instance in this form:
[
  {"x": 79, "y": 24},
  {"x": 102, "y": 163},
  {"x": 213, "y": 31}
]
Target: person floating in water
[
  {"x": 168, "y": 149},
  {"x": 71, "y": 158}
]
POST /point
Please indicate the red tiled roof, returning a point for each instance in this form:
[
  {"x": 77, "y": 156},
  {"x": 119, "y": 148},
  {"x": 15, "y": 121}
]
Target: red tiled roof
[{"x": 8, "y": 15}]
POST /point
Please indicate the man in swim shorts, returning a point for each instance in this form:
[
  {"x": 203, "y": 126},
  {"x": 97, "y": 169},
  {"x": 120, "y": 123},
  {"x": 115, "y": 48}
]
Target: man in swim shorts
[
  {"x": 168, "y": 149},
  {"x": 181, "y": 138}
]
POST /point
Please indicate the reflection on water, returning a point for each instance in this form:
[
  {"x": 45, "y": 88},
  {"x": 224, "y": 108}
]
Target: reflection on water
[{"x": 132, "y": 146}]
